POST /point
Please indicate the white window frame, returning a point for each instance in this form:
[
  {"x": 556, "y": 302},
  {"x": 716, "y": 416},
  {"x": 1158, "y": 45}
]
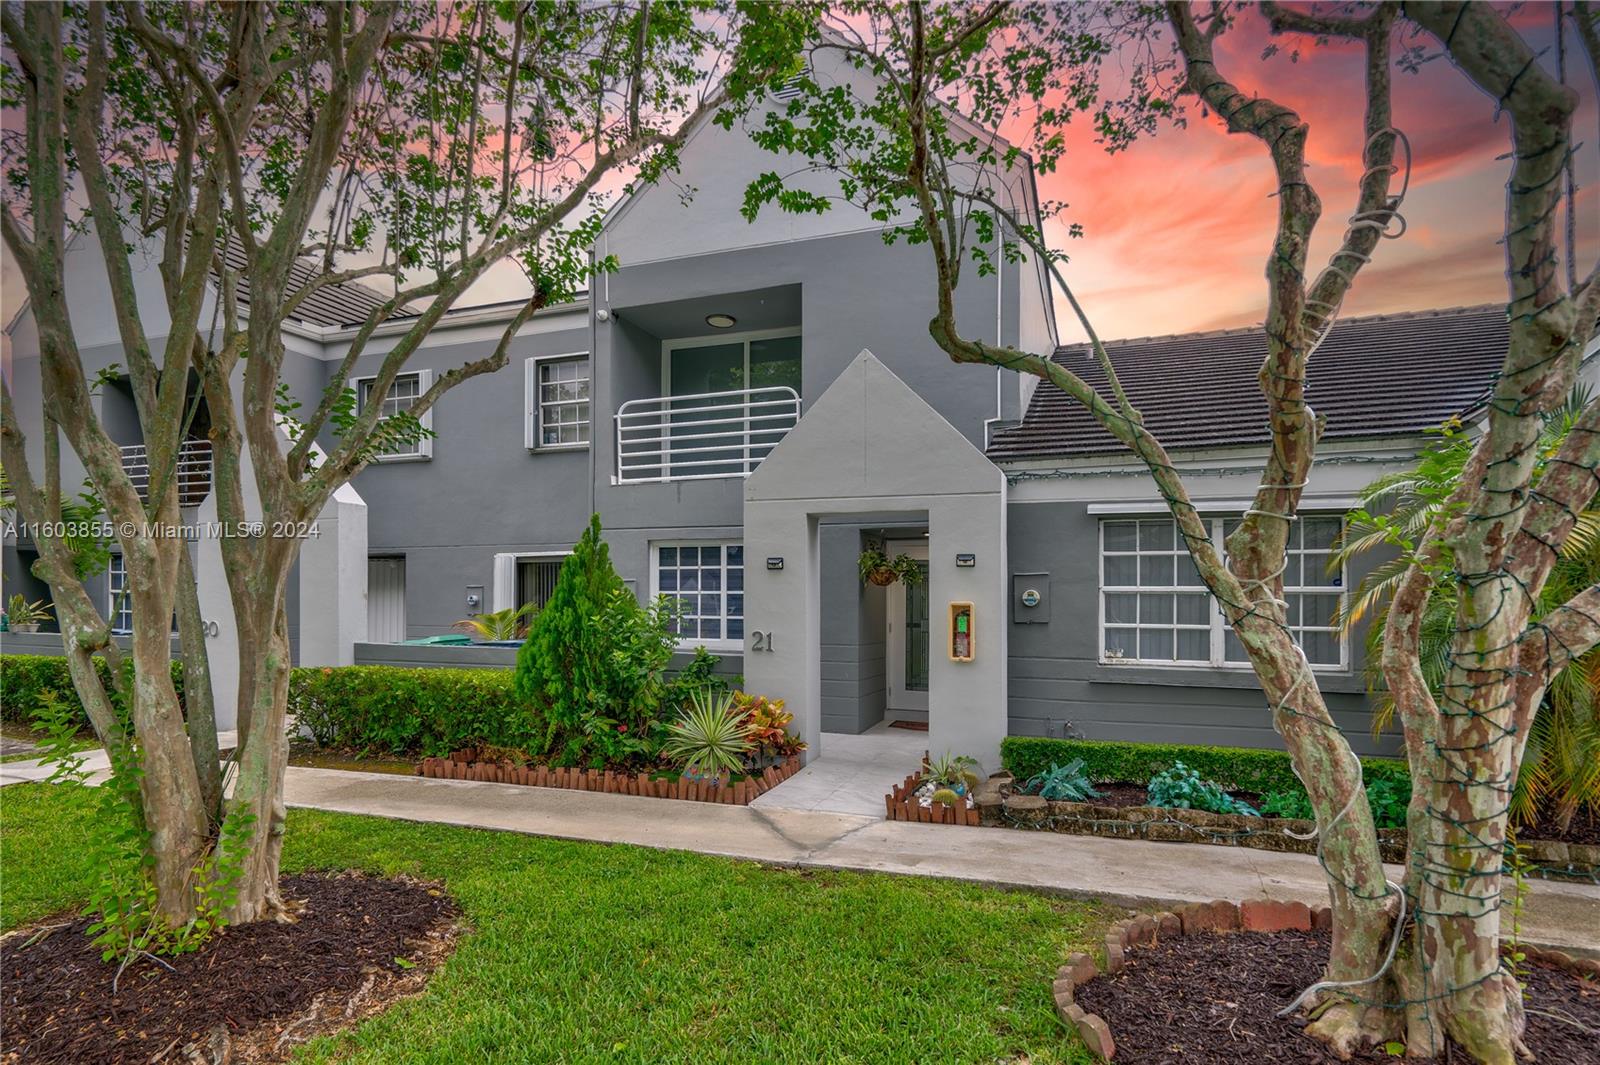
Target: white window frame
[
  {"x": 118, "y": 565},
  {"x": 424, "y": 450},
  {"x": 745, "y": 338},
  {"x": 1218, "y": 623},
  {"x": 503, "y": 590},
  {"x": 726, "y": 643},
  {"x": 531, "y": 408}
]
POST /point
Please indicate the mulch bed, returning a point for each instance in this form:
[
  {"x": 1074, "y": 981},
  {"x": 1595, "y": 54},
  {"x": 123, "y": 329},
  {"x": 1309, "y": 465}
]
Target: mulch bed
[
  {"x": 251, "y": 995},
  {"x": 473, "y": 764},
  {"x": 1211, "y": 999}
]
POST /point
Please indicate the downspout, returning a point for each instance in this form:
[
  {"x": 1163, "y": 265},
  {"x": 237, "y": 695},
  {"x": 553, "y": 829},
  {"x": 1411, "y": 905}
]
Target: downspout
[
  {"x": 594, "y": 378},
  {"x": 999, "y": 326}
]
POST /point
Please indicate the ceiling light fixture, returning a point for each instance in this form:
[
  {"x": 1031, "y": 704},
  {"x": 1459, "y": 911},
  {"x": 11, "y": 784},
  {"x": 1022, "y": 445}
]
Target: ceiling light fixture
[{"x": 721, "y": 321}]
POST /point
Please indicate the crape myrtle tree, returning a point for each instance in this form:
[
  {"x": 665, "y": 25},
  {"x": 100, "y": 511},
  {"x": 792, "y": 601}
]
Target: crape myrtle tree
[
  {"x": 1419, "y": 960},
  {"x": 256, "y": 154}
]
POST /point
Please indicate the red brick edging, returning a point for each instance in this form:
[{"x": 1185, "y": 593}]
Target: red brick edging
[
  {"x": 611, "y": 782},
  {"x": 1252, "y": 915},
  {"x": 902, "y": 804}
]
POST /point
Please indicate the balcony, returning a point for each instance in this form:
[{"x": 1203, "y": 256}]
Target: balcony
[
  {"x": 193, "y": 473},
  {"x": 702, "y": 436}
]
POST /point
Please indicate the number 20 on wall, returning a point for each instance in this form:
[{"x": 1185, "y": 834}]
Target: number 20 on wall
[{"x": 760, "y": 641}]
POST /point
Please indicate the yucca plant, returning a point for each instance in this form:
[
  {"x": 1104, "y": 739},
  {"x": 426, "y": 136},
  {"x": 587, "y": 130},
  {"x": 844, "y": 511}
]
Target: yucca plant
[
  {"x": 711, "y": 737},
  {"x": 1561, "y": 771},
  {"x": 508, "y": 624}
]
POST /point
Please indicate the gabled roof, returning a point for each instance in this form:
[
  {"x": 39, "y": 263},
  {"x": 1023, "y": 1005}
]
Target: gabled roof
[
  {"x": 346, "y": 303},
  {"x": 1381, "y": 376}
]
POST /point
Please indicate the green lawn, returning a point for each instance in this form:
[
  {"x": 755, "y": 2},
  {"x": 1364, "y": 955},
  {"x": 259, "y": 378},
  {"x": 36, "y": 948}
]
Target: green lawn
[{"x": 585, "y": 952}]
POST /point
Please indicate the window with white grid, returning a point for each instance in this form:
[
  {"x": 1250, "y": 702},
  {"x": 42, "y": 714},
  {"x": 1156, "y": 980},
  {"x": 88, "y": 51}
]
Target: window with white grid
[
  {"x": 707, "y": 580},
  {"x": 119, "y": 607},
  {"x": 402, "y": 396},
  {"x": 1154, "y": 608},
  {"x": 558, "y": 402}
]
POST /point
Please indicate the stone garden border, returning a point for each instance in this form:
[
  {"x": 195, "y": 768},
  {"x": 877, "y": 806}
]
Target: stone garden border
[
  {"x": 1252, "y": 915},
  {"x": 999, "y": 806},
  {"x": 460, "y": 766}
]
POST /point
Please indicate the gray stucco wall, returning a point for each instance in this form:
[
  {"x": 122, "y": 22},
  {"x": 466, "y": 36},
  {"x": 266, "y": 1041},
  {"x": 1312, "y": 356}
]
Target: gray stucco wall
[
  {"x": 1059, "y": 687},
  {"x": 482, "y": 492}
]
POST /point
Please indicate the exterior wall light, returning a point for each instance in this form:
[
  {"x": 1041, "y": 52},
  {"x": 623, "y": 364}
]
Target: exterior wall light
[
  {"x": 966, "y": 561},
  {"x": 721, "y": 321},
  {"x": 775, "y": 562}
]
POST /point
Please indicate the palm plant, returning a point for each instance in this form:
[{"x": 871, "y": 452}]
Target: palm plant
[
  {"x": 508, "y": 624},
  {"x": 1561, "y": 772},
  {"x": 711, "y": 737}
]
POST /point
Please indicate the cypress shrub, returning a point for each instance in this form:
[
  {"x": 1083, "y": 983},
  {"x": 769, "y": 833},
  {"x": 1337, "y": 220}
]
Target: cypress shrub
[{"x": 593, "y": 665}]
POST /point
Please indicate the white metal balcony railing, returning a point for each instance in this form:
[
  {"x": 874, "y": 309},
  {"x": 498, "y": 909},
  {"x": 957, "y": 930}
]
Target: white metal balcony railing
[
  {"x": 193, "y": 473},
  {"x": 701, "y": 436}
]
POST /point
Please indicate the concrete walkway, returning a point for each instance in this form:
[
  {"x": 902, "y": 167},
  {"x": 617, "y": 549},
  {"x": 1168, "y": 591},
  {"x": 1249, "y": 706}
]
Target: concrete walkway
[
  {"x": 1129, "y": 872},
  {"x": 852, "y": 773}
]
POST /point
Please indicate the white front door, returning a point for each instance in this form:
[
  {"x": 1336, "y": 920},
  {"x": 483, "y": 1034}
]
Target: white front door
[
  {"x": 908, "y": 643},
  {"x": 386, "y": 600}
]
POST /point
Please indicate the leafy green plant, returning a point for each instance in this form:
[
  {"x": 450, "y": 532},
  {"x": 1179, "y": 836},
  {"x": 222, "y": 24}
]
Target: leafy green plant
[
  {"x": 1389, "y": 803},
  {"x": 594, "y": 662},
  {"x": 508, "y": 624},
  {"x": 1387, "y": 798},
  {"x": 1065, "y": 783},
  {"x": 20, "y": 612},
  {"x": 1182, "y": 788},
  {"x": 411, "y": 711},
  {"x": 25, "y": 678},
  {"x": 701, "y": 672},
  {"x": 1560, "y": 770},
  {"x": 710, "y": 738},
  {"x": 957, "y": 772},
  {"x": 1288, "y": 804},
  {"x": 1235, "y": 768},
  {"x": 878, "y": 568}
]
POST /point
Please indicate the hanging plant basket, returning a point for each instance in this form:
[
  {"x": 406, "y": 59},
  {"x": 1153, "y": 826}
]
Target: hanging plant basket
[{"x": 879, "y": 569}]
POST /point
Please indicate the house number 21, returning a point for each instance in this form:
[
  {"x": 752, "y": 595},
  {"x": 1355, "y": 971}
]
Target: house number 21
[{"x": 760, "y": 641}]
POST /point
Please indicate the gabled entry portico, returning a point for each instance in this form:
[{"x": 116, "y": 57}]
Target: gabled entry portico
[{"x": 871, "y": 445}]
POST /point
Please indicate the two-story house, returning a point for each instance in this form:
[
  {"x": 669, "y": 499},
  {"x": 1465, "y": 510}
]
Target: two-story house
[{"x": 749, "y": 405}]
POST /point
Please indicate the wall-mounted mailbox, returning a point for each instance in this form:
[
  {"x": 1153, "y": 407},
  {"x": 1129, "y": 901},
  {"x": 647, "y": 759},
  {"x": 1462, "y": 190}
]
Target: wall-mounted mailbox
[
  {"x": 1030, "y": 598},
  {"x": 963, "y": 645}
]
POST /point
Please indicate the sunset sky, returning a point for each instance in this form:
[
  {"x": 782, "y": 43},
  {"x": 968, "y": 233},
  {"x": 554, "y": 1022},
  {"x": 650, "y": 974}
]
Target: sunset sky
[{"x": 1177, "y": 228}]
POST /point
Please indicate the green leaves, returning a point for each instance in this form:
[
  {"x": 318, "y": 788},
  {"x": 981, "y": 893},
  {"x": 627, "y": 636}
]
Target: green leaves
[{"x": 711, "y": 737}]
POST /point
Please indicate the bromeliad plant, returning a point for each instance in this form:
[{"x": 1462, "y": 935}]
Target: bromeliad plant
[
  {"x": 1064, "y": 783},
  {"x": 711, "y": 738}
]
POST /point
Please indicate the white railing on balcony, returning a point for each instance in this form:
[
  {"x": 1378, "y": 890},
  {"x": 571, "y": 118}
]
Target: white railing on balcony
[
  {"x": 193, "y": 474},
  {"x": 701, "y": 436}
]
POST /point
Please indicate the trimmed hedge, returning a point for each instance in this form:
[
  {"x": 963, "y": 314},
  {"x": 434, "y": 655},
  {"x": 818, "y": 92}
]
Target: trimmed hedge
[
  {"x": 1236, "y": 768},
  {"x": 411, "y": 711},
  {"x": 23, "y": 677}
]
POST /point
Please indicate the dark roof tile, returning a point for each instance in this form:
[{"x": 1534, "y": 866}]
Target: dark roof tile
[{"x": 1386, "y": 375}]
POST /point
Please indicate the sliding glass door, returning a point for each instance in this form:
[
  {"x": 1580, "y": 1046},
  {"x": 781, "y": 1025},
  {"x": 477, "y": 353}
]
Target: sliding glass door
[{"x": 722, "y": 416}]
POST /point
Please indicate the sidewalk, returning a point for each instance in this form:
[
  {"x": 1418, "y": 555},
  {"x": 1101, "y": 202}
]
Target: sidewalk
[{"x": 1128, "y": 872}]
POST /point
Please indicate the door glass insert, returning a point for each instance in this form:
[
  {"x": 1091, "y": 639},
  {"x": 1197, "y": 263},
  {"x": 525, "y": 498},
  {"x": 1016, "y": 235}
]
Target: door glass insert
[
  {"x": 917, "y": 633},
  {"x": 700, "y": 430}
]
